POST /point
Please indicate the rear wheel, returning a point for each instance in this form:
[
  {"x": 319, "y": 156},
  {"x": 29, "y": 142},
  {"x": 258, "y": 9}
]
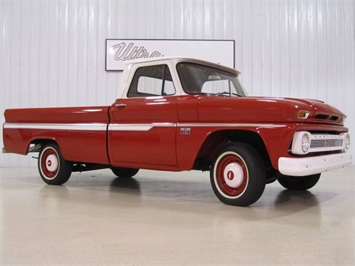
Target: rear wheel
[
  {"x": 52, "y": 167},
  {"x": 124, "y": 172},
  {"x": 238, "y": 175},
  {"x": 298, "y": 182}
]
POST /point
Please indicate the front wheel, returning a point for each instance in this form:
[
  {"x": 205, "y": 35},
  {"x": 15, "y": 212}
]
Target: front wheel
[
  {"x": 53, "y": 168},
  {"x": 298, "y": 182},
  {"x": 238, "y": 175}
]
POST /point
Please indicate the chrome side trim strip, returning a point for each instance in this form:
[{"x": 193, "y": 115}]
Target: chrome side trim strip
[
  {"x": 138, "y": 127},
  {"x": 229, "y": 125},
  {"x": 53, "y": 126},
  {"x": 147, "y": 127},
  {"x": 130, "y": 127},
  {"x": 126, "y": 127}
]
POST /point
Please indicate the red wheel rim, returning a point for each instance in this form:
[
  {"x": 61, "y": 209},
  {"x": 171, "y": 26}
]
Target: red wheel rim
[
  {"x": 232, "y": 175},
  {"x": 50, "y": 163}
]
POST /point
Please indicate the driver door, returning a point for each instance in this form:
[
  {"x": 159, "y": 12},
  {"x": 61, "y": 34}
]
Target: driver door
[{"x": 143, "y": 125}]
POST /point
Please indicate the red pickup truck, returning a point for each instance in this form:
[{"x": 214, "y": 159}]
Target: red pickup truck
[{"x": 178, "y": 114}]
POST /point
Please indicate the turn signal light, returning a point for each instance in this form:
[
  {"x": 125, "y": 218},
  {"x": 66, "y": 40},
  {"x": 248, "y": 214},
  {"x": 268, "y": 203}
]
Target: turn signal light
[{"x": 303, "y": 114}]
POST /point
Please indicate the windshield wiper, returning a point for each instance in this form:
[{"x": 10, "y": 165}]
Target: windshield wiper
[{"x": 226, "y": 93}]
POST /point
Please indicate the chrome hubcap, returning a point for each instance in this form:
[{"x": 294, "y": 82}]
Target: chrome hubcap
[
  {"x": 52, "y": 163},
  {"x": 233, "y": 175}
]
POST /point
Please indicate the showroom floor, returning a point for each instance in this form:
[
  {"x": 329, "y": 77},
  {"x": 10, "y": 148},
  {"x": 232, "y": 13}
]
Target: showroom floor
[{"x": 164, "y": 218}]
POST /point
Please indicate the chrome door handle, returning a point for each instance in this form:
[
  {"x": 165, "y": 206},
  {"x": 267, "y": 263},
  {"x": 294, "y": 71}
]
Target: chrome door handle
[{"x": 120, "y": 105}]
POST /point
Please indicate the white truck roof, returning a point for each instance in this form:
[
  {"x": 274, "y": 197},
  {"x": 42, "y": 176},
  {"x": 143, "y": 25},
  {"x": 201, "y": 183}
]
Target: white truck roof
[{"x": 177, "y": 59}]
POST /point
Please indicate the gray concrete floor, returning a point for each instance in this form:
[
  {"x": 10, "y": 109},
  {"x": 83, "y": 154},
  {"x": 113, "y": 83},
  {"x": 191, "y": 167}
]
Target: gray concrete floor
[{"x": 164, "y": 218}]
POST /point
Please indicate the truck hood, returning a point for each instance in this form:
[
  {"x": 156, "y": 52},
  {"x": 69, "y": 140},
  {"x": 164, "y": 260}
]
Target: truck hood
[{"x": 266, "y": 109}]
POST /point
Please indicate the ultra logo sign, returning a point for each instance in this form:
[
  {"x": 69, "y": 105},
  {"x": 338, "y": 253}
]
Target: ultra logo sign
[
  {"x": 128, "y": 51},
  {"x": 120, "y": 50}
]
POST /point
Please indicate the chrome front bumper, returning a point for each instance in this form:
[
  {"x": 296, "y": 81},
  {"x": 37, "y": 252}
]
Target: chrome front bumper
[{"x": 313, "y": 165}]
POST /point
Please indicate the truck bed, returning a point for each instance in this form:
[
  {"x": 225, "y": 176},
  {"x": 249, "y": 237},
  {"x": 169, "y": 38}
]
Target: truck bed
[{"x": 80, "y": 132}]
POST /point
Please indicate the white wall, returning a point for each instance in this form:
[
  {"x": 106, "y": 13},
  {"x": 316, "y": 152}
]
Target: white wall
[{"x": 52, "y": 53}]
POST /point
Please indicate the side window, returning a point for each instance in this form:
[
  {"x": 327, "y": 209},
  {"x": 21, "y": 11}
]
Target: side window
[{"x": 151, "y": 81}]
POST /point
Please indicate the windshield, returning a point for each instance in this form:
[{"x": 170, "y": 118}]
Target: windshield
[{"x": 199, "y": 79}]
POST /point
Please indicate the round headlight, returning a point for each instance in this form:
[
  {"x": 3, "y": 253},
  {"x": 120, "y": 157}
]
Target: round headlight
[
  {"x": 305, "y": 143},
  {"x": 347, "y": 141}
]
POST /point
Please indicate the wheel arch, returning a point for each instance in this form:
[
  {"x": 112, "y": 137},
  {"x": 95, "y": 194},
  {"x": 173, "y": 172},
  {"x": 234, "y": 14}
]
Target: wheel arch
[
  {"x": 215, "y": 141},
  {"x": 36, "y": 144}
]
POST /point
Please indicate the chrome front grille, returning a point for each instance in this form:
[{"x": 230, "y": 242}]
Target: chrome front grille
[
  {"x": 323, "y": 143},
  {"x": 305, "y": 142}
]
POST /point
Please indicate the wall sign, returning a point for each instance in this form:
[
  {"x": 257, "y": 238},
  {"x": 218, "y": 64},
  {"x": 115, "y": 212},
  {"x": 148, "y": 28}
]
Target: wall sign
[{"x": 120, "y": 50}]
